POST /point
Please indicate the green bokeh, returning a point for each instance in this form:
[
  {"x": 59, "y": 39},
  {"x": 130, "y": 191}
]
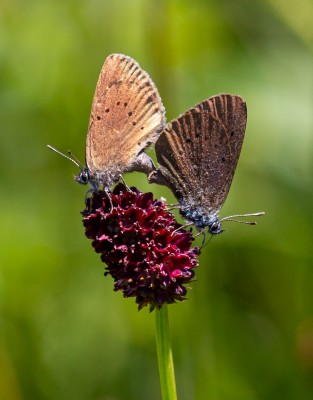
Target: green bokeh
[{"x": 246, "y": 331}]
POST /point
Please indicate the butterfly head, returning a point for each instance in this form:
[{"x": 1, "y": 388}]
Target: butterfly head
[
  {"x": 215, "y": 227},
  {"x": 201, "y": 220},
  {"x": 83, "y": 177}
]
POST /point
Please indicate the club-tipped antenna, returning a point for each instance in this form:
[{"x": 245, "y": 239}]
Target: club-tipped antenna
[
  {"x": 75, "y": 158},
  {"x": 233, "y": 218},
  {"x": 72, "y": 158}
]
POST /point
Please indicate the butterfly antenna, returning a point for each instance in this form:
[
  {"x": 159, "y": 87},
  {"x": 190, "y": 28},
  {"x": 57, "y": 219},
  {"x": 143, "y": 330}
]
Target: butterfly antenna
[
  {"x": 233, "y": 218},
  {"x": 72, "y": 158},
  {"x": 76, "y": 159}
]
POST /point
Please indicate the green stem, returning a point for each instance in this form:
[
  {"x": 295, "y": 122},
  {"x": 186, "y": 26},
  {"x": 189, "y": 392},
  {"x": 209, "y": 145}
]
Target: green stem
[{"x": 165, "y": 359}]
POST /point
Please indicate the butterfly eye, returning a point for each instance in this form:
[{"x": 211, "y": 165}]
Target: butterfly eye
[
  {"x": 83, "y": 177},
  {"x": 215, "y": 228}
]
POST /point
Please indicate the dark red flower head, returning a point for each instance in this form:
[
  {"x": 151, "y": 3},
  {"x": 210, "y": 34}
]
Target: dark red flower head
[{"x": 146, "y": 254}]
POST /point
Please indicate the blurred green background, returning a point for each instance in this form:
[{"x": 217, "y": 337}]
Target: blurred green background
[{"x": 246, "y": 332}]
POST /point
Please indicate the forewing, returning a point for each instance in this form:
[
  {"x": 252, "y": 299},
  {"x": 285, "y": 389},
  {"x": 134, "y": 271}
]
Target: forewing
[
  {"x": 127, "y": 115},
  {"x": 198, "y": 152}
]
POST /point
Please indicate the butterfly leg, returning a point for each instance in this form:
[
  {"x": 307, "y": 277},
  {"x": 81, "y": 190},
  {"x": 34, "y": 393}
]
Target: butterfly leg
[
  {"x": 204, "y": 236},
  {"x": 204, "y": 243},
  {"x": 107, "y": 192},
  {"x": 203, "y": 240},
  {"x": 170, "y": 207},
  {"x": 182, "y": 227},
  {"x": 91, "y": 190},
  {"x": 123, "y": 180},
  {"x": 203, "y": 232},
  {"x": 89, "y": 206}
]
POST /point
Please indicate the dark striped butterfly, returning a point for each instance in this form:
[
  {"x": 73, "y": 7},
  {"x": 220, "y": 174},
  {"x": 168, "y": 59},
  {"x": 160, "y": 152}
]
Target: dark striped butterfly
[{"x": 198, "y": 154}]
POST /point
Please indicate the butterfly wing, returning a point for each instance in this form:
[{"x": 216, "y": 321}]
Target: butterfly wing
[
  {"x": 198, "y": 152},
  {"x": 127, "y": 115}
]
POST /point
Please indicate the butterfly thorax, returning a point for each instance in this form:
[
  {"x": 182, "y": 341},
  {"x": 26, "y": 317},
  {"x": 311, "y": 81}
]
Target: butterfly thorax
[{"x": 200, "y": 219}]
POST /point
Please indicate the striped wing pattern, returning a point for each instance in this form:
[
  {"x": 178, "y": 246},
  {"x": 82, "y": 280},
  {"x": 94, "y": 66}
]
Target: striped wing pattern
[
  {"x": 198, "y": 152},
  {"x": 127, "y": 116}
]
